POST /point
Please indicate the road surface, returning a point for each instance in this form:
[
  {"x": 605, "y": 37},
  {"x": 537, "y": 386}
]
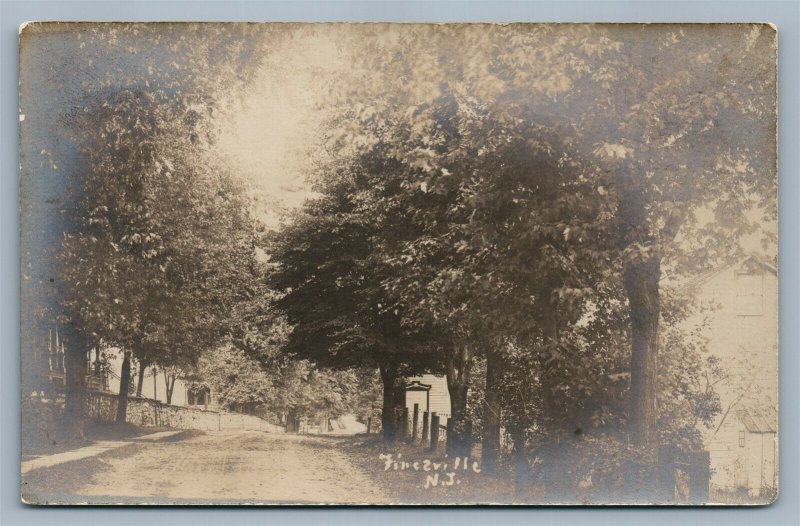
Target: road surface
[{"x": 225, "y": 466}]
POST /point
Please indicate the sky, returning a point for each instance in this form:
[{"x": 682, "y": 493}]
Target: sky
[{"x": 275, "y": 120}]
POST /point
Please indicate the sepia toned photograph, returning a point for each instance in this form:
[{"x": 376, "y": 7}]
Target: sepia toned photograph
[{"x": 398, "y": 264}]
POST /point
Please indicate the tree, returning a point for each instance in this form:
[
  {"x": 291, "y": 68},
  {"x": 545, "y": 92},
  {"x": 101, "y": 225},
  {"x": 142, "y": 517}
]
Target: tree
[
  {"x": 239, "y": 383},
  {"x": 583, "y": 432},
  {"x": 164, "y": 231},
  {"x": 505, "y": 239},
  {"x": 450, "y": 144},
  {"x": 121, "y": 65},
  {"x": 668, "y": 117},
  {"x": 329, "y": 269},
  {"x": 672, "y": 119},
  {"x": 318, "y": 394}
]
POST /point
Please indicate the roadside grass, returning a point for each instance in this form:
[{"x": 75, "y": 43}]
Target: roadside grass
[{"x": 403, "y": 484}]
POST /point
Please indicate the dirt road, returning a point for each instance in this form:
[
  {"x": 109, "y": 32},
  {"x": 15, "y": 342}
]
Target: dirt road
[{"x": 226, "y": 466}]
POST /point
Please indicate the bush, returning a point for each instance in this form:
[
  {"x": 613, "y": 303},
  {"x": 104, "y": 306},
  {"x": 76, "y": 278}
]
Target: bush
[
  {"x": 595, "y": 469},
  {"x": 40, "y": 423}
]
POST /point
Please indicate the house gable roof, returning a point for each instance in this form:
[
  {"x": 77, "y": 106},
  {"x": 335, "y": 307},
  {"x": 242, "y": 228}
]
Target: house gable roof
[
  {"x": 758, "y": 421},
  {"x": 749, "y": 262},
  {"x": 416, "y": 385}
]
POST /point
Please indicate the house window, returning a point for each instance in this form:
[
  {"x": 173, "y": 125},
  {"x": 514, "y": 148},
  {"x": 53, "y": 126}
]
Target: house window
[
  {"x": 749, "y": 294},
  {"x": 198, "y": 396},
  {"x": 741, "y": 438}
]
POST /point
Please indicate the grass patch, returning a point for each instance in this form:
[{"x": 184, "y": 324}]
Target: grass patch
[{"x": 413, "y": 486}]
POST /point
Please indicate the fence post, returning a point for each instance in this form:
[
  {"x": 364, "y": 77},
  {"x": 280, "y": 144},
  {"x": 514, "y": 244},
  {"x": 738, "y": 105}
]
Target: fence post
[
  {"x": 666, "y": 473},
  {"x": 404, "y": 424},
  {"x": 468, "y": 438},
  {"x": 699, "y": 476},
  {"x": 450, "y": 441},
  {"x": 434, "y": 431},
  {"x": 415, "y": 424},
  {"x": 425, "y": 426},
  {"x": 369, "y": 424}
]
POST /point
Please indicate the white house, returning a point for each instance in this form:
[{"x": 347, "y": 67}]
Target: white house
[
  {"x": 154, "y": 386},
  {"x": 430, "y": 394},
  {"x": 741, "y": 302}
]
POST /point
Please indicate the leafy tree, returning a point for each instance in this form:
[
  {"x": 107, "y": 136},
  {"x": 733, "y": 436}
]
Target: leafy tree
[
  {"x": 668, "y": 117},
  {"x": 122, "y": 78},
  {"x": 154, "y": 267},
  {"x": 506, "y": 240},
  {"x": 239, "y": 383},
  {"x": 582, "y": 432},
  {"x": 672, "y": 120},
  {"x": 329, "y": 268},
  {"x": 465, "y": 179}
]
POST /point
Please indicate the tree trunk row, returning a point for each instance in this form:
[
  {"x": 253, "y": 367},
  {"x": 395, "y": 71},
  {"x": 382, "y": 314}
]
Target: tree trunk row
[
  {"x": 641, "y": 282},
  {"x": 124, "y": 385},
  {"x": 142, "y": 367},
  {"x": 75, "y": 347},
  {"x": 490, "y": 445},
  {"x": 458, "y": 367},
  {"x": 394, "y": 400}
]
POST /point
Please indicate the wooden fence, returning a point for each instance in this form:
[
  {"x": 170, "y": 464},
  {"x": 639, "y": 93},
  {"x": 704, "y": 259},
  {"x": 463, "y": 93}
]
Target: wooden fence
[
  {"x": 683, "y": 476},
  {"x": 426, "y": 429}
]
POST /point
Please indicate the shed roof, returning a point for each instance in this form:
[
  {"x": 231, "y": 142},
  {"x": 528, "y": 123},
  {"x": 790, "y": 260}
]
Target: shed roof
[
  {"x": 758, "y": 421},
  {"x": 749, "y": 261}
]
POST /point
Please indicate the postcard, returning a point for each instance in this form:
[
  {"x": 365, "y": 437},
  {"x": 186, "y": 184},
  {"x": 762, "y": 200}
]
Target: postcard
[{"x": 398, "y": 264}]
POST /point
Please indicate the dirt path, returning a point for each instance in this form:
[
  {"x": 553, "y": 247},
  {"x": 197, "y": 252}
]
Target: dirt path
[{"x": 231, "y": 466}]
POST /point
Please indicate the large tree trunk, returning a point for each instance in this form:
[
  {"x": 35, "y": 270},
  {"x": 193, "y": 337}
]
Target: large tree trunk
[
  {"x": 169, "y": 382},
  {"x": 75, "y": 349},
  {"x": 553, "y": 416},
  {"x": 519, "y": 460},
  {"x": 401, "y": 425},
  {"x": 391, "y": 379},
  {"x": 459, "y": 365},
  {"x": 490, "y": 445},
  {"x": 641, "y": 280},
  {"x": 292, "y": 421},
  {"x": 142, "y": 369},
  {"x": 124, "y": 385}
]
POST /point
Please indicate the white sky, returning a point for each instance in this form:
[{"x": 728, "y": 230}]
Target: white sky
[
  {"x": 276, "y": 120},
  {"x": 269, "y": 136}
]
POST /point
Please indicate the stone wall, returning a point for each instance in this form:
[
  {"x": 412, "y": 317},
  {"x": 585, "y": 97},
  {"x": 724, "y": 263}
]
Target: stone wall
[{"x": 145, "y": 412}]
